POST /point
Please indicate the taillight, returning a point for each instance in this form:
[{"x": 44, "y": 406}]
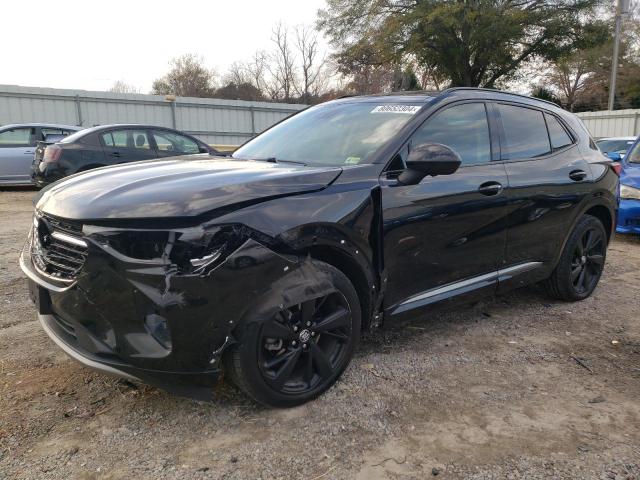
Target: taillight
[
  {"x": 51, "y": 153},
  {"x": 617, "y": 167}
]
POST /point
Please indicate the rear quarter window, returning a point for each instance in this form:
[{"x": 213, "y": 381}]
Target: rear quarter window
[
  {"x": 557, "y": 133},
  {"x": 525, "y": 133}
]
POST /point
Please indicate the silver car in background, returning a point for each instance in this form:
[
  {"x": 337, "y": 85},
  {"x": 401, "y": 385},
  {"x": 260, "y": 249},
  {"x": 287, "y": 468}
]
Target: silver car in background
[{"x": 18, "y": 145}]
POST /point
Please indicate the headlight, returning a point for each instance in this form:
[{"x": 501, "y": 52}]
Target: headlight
[
  {"x": 629, "y": 193},
  {"x": 191, "y": 250}
]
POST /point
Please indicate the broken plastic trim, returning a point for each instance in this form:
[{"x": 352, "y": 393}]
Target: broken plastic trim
[{"x": 195, "y": 250}]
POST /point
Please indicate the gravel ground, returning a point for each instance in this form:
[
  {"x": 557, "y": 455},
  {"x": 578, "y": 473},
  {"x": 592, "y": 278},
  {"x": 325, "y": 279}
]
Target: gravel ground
[{"x": 490, "y": 390}]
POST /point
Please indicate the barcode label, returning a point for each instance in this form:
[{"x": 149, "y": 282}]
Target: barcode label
[{"x": 409, "y": 109}]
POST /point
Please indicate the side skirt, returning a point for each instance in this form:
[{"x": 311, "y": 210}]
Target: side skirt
[{"x": 463, "y": 286}]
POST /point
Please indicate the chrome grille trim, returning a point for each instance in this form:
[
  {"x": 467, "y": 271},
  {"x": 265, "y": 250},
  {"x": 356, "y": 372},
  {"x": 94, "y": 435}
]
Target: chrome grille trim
[
  {"x": 57, "y": 249},
  {"x": 69, "y": 239}
]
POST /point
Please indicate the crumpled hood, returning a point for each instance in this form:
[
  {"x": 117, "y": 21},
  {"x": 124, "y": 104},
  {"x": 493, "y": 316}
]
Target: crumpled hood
[{"x": 177, "y": 187}]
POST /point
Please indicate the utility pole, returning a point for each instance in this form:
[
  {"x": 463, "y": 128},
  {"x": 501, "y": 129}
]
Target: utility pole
[{"x": 622, "y": 8}]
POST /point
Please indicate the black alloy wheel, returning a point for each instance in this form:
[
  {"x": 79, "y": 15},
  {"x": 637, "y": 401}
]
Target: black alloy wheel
[
  {"x": 581, "y": 263},
  {"x": 297, "y": 354},
  {"x": 304, "y": 345},
  {"x": 588, "y": 260}
]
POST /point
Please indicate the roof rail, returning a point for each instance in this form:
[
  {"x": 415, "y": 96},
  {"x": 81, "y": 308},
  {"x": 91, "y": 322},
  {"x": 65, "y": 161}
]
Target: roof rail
[
  {"x": 414, "y": 92},
  {"x": 452, "y": 89}
]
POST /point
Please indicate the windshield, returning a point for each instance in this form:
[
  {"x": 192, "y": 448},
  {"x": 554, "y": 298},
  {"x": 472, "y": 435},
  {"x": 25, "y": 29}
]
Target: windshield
[
  {"x": 614, "y": 145},
  {"x": 332, "y": 134},
  {"x": 634, "y": 154}
]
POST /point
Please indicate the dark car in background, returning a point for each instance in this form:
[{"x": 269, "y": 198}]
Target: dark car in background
[
  {"x": 18, "y": 143},
  {"x": 346, "y": 216},
  {"x": 111, "y": 145}
]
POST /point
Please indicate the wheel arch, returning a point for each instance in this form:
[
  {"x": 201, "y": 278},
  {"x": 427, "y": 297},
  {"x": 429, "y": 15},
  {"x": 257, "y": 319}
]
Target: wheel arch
[
  {"x": 361, "y": 280},
  {"x": 603, "y": 214},
  {"x": 600, "y": 209}
]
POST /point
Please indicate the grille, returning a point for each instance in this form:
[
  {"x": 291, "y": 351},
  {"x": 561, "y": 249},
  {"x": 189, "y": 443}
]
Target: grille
[{"x": 57, "y": 247}]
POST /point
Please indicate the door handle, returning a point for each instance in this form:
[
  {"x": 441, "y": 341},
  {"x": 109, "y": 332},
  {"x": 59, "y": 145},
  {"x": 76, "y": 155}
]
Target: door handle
[
  {"x": 578, "y": 175},
  {"x": 490, "y": 188},
  {"x": 29, "y": 153},
  {"x": 115, "y": 154}
]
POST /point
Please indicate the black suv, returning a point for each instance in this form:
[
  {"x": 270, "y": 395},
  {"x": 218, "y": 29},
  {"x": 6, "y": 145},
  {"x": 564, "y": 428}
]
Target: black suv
[
  {"x": 110, "y": 145},
  {"x": 343, "y": 217}
]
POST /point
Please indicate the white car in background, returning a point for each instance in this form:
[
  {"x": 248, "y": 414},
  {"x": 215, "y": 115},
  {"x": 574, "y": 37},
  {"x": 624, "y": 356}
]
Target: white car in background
[{"x": 18, "y": 146}]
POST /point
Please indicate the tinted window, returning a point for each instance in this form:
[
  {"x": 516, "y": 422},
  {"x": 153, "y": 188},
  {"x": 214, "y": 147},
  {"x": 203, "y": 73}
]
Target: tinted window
[
  {"x": 57, "y": 132},
  {"x": 174, "y": 143},
  {"x": 117, "y": 139},
  {"x": 525, "y": 133},
  {"x": 17, "y": 137},
  {"x": 126, "y": 139},
  {"x": 557, "y": 133},
  {"x": 139, "y": 139},
  {"x": 464, "y": 128}
]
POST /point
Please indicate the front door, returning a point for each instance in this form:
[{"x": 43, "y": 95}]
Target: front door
[
  {"x": 17, "y": 148},
  {"x": 446, "y": 235},
  {"x": 170, "y": 144}
]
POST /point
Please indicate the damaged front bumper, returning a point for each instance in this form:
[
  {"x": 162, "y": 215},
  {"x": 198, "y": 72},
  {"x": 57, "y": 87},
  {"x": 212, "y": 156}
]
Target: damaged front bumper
[{"x": 149, "y": 322}]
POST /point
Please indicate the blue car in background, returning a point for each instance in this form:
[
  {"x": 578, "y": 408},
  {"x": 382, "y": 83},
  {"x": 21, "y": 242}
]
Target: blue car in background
[
  {"x": 615, "y": 147},
  {"x": 629, "y": 210}
]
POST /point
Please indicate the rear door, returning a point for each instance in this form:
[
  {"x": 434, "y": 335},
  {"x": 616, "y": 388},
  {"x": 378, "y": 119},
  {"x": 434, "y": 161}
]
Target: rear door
[
  {"x": 17, "y": 147},
  {"x": 548, "y": 178},
  {"x": 127, "y": 145}
]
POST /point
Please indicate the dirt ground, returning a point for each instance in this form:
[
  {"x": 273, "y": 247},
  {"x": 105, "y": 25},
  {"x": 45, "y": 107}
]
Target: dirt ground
[{"x": 515, "y": 387}]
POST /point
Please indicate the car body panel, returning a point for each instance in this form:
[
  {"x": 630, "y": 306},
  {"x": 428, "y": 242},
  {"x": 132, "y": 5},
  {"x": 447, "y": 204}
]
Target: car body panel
[
  {"x": 430, "y": 225},
  {"x": 179, "y": 187}
]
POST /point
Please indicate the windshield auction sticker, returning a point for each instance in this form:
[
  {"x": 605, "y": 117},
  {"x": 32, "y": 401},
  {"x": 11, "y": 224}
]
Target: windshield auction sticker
[{"x": 409, "y": 109}]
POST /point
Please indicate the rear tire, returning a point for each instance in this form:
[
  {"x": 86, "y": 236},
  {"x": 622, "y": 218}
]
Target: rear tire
[
  {"x": 298, "y": 354},
  {"x": 581, "y": 263}
]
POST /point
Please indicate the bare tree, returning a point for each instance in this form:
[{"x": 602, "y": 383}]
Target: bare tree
[
  {"x": 257, "y": 69},
  {"x": 282, "y": 65},
  {"x": 237, "y": 74},
  {"x": 120, "y": 86},
  {"x": 312, "y": 65}
]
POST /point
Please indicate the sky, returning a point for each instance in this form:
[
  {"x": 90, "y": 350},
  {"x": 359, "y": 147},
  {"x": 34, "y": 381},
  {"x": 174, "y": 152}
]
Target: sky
[{"x": 91, "y": 44}]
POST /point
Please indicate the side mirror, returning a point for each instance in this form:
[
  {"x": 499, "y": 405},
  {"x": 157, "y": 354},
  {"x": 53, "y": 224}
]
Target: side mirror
[
  {"x": 203, "y": 149},
  {"x": 429, "y": 159},
  {"x": 615, "y": 156}
]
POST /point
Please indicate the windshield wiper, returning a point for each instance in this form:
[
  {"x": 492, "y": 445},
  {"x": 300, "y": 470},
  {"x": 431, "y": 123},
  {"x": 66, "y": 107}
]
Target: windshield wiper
[{"x": 277, "y": 160}]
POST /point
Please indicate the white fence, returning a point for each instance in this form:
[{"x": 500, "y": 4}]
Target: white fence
[
  {"x": 229, "y": 122},
  {"x": 616, "y": 123}
]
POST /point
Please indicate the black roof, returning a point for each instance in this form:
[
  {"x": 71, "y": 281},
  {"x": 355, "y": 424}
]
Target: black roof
[
  {"x": 99, "y": 128},
  {"x": 426, "y": 96}
]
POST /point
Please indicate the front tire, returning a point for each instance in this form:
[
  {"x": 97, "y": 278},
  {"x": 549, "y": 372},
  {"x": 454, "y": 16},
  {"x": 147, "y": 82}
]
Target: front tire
[
  {"x": 581, "y": 263},
  {"x": 301, "y": 351}
]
